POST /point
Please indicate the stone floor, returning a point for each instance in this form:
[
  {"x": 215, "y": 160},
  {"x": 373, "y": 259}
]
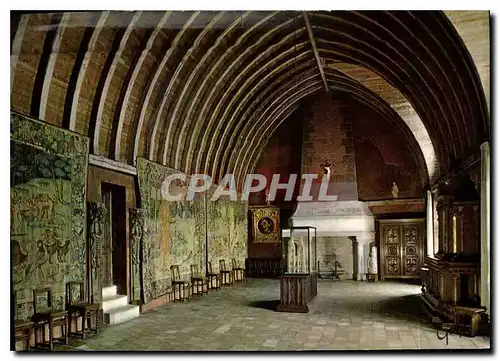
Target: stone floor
[{"x": 347, "y": 315}]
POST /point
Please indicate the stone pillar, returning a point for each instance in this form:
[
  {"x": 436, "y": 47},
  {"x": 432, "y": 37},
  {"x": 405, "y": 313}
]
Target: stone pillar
[
  {"x": 430, "y": 225},
  {"x": 485, "y": 226},
  {"x": 360, "y": 251},
  {"x": 355, "y": 268}
]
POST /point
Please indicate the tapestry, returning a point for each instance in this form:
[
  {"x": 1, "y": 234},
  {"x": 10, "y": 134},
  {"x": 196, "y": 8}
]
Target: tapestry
[
  {"x": 227, "y": 232},
  {"x": 48, "y": 171},
  {"x": 174, "y": 231}
]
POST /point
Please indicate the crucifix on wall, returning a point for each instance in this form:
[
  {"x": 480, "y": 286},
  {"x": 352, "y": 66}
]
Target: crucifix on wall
[{"x": 326, "y": 167}]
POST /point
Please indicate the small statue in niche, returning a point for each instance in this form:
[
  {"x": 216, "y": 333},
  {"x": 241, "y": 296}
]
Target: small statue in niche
[
  {"x": 395, "y": 190},
  {"x": 372, "y": 261},
  {"x": 326, "y": 167}
]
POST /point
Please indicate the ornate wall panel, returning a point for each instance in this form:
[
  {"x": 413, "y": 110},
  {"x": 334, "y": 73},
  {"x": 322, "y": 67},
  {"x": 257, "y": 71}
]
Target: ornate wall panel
[{"x": 48, "y": 216}]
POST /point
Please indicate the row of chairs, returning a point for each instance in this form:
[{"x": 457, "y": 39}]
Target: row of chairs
[
  {"x": 45, "y": 314},
  {"x": 202, "y": 284}
]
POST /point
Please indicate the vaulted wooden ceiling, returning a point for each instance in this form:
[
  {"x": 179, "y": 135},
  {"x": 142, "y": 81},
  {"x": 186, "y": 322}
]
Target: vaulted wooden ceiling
[{"x": 203, "y": 91}]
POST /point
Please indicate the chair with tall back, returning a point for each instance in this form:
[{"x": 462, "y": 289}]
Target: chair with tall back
[
  {"x": 47, "y": 315},
  {"x": 211, "y": 275},
  {"x": 23, "y": 329},
  {"x": 197, "y": 280},
  {"x": 238, "y": 272},
  {"x": 226, "y": 274},
  {"x": 178, "y": 284},
  {"x": 77, "y": 306}
]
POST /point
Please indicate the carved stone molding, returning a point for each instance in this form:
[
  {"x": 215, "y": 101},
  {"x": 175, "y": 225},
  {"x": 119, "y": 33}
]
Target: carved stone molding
[
  {"x": 97, "y": 213},
  {"x": 136, "y": 233}
]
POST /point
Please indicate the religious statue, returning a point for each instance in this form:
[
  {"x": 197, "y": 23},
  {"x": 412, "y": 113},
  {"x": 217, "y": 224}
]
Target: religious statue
[
  {"x": 395, "y": 190},
  {"x": 326, "y": 167},
  {"x": 372, "y": 261},
  {"x": 292, "y": 255}
]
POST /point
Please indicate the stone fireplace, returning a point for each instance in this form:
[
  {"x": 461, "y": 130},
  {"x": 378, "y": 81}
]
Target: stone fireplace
[{"x": 345, "y": 231}]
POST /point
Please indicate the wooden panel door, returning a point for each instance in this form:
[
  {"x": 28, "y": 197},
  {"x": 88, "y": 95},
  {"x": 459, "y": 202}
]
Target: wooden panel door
[
  {"x": 391, "y": 250},
  {"x": 401, "y": 248},
  {"x": 412, "y": 248}
]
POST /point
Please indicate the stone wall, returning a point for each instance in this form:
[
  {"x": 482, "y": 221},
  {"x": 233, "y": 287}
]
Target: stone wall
[{"x": 327, "y": 135}]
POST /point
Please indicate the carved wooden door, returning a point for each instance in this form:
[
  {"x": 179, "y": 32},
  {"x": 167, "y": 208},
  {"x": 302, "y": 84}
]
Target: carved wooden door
[{"x": 401, "y": 248}]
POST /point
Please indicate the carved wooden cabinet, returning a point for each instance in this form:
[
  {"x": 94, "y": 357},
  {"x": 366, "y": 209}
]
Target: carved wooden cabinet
[
  {"x": 401, "y": 248},
  {"x": 459, "y": 226}
]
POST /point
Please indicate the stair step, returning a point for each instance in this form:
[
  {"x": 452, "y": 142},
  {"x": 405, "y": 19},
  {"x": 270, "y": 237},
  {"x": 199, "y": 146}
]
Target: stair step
[
  {"x": 121, "y": 314},
  {"x": 108, "y": 291},
  {"x": 113, "y": 302}
]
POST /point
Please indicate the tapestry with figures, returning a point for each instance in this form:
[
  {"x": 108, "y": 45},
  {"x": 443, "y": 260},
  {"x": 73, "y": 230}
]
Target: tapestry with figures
[
  {"x": 48, "y": 171},
  {"x": 174, "y": 231},
  {"x": 227, "y": 232}
]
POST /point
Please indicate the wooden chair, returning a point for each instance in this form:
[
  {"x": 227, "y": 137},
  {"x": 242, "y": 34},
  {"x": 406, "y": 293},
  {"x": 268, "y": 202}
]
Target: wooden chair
[
  {"x": 78, "y": 307},
  {"x": 48, "y": 316},
  {"x": 23, "y": 329},
  {"x": 238, "y": 272},
  {"x": 211, "y": 275},
  {"x": 226, "y": 275},
  {"x": 197, "y": 281},
  {"x": 178, "y": 284}
]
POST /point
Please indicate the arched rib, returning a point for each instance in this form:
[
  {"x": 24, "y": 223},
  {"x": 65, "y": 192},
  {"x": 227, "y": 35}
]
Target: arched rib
[
  {"x": 49, "y": 73},
  {"x": 131, "y": 83},
  {"x": 117, "y": 57},
  {"x": 146, "y": 103},
  {"x": 83, "y": 70}
]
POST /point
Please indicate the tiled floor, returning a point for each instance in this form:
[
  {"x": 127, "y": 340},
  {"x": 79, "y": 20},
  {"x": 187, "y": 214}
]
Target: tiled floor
[{"x": 347, "y": 315}]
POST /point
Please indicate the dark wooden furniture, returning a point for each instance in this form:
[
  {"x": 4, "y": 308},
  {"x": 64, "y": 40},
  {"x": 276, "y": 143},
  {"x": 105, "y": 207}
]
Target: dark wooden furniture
[
  {"x": 263, "y": 267},
  {"x": 226, "y": 275},
  {"x": 22, "y": 332},
  {"x": 197, "y": 281},
  {"x": 23, "y": 329},
  {"x": 401, "y": 248},
  {"x": 238, "y": 272},
  {"x": 467, "y": 320},
  {"x": 371, "y": 277},
  {"x": 451, "y": 278},
  {"x": 212, "y": 276},
  {"x": 335, "y": 275},
  {"x": 450, "y": 286},
  {"x": 47, "y": 315},
  {"x": 298, "y": 292},
  {"x": 77, "y": 306},
  {"x": 178, "y": 284}
]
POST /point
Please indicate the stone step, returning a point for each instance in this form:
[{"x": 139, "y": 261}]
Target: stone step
[
  {"x": 113, "y": 302},
  {"x": 108, "y": 292},
  {"x": 121, "y": 314}
]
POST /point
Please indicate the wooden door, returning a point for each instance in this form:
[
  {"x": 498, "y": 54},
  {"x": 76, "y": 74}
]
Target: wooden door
[{"x": 401, "y": 248}]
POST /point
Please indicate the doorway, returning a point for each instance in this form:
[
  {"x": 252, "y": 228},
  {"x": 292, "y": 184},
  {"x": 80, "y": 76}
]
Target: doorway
[{"x": 114, "y": 246}]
